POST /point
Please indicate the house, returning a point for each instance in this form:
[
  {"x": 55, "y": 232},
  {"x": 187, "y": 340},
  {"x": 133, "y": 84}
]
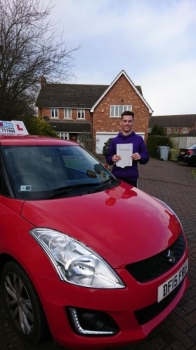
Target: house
[
  {"x": 183, "y": 124},
  {"x": 78, "y": 110}
]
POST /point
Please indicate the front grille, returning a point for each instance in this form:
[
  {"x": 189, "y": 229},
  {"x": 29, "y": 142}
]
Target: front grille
[
  {"x": 148, "y": 313},
  {"x": 155, "y": 266}
]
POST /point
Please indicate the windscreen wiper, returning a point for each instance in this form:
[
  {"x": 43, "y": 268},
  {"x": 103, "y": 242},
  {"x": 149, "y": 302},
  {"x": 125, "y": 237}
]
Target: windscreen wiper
[
  {"x": 68, "y": 189},
  {"x": 110, "y": 183}
]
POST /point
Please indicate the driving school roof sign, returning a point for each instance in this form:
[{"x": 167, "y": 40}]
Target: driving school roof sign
[{"x": 14, "y": 127}]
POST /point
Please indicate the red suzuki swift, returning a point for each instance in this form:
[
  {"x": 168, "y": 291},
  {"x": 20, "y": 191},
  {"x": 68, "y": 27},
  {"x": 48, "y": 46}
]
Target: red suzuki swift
[{"x": 97, "y": 262}]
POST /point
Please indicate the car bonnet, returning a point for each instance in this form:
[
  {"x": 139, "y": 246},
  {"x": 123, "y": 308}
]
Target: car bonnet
[{"x": 123, "y": 224}]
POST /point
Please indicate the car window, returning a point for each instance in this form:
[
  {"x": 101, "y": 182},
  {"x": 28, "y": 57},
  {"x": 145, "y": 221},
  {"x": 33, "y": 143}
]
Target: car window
[
  {"x": 35, "y": 171},
  {"x": 74, "y": 158}
]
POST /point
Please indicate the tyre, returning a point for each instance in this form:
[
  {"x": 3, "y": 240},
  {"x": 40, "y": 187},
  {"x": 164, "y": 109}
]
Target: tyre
[{"x": 23, "y": 304}]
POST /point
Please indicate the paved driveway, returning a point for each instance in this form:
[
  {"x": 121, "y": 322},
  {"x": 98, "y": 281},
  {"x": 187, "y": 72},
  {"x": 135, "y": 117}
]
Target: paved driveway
[{"x": 176, "y": 185}]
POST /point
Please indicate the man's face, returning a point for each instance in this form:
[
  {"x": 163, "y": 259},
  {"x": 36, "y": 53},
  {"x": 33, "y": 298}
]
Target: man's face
[{"x": 127, "y": 123}]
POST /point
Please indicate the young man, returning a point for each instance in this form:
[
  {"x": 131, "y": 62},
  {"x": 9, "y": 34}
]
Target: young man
[{"x": 140, "y": 154}]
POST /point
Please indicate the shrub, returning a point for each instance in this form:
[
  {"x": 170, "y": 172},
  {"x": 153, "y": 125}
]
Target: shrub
[
  {"x": 153, "y": 141},
  {"x": 158, "y": 130},
  {"x": 173, "y": 154},
  {"x": 38, "y": 126}
]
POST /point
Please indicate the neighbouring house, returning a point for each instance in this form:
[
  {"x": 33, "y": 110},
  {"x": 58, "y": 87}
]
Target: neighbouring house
[
  {"x": 80, "y": 111},
  {"x": 183, "y": 124}
]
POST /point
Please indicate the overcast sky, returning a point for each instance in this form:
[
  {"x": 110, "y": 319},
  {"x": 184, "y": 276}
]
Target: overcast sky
[{"x": 154, "y": 41}]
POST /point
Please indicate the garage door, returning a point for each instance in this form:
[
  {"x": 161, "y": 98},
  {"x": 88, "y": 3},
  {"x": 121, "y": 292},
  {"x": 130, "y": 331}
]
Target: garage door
[{"x": 102, "y": 137}]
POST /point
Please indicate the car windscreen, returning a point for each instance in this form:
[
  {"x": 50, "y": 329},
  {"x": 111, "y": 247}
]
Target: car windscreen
[{"x": 41, "y": 172}]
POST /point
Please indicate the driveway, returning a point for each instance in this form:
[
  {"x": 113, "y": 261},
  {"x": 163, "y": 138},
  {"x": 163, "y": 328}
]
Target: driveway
[{"x": 174, "y": 184}]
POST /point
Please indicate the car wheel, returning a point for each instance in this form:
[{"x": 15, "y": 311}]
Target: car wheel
[{"x": 23, "y": 304}]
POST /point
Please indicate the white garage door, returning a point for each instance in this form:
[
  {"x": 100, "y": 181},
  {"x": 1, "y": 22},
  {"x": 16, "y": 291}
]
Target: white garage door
[{"x": 102, "y": 137}]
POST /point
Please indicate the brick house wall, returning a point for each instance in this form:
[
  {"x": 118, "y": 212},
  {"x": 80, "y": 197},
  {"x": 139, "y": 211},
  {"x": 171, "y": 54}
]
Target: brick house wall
[
  {"x": 46, "y": 112},
  {"x": 121, "y": 93},
  {"x": 180, "y": 130},
  {"x": 177, "y": 130}
]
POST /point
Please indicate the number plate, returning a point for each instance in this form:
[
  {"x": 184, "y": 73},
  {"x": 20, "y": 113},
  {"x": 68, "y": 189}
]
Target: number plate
[{"x": 168, "y": 286}]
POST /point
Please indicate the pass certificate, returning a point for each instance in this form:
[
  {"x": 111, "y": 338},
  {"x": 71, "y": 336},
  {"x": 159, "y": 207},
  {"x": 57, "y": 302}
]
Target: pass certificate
[{"x": 125, "y": 151}]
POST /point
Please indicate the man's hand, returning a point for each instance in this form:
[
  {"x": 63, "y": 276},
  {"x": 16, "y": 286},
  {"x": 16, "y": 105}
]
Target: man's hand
[
  {"x": 115, "y": 158},
  {"x": 136, "y": 156}
]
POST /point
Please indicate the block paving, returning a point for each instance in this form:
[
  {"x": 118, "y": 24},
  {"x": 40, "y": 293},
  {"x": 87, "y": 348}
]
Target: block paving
[{"x": 174, "y": 184}]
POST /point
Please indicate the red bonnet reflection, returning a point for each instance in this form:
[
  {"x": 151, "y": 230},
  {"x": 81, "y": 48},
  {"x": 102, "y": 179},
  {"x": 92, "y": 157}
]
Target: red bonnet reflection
[{"x": 120, "y": 192}]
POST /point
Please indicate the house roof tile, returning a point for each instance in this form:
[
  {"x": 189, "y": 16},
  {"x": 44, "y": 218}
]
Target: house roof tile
[
  {"x": 83, "y": 96},
  {"x": 69, "y": 95},
  {"x": 180, "y": 120}
]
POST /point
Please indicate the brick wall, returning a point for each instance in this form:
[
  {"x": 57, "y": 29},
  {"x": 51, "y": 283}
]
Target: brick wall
[
  {"x": 177, "y": 130},
  {"x": 121, "y": 93},
  {"x": 46, "y": 112}
]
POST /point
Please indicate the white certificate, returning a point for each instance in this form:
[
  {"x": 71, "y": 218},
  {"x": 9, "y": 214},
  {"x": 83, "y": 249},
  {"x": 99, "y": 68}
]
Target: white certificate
[{"x": 125, "y": 151}]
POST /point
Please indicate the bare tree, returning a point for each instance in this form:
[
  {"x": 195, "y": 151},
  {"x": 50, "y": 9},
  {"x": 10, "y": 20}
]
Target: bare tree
[{"x": 29, "y": 49}]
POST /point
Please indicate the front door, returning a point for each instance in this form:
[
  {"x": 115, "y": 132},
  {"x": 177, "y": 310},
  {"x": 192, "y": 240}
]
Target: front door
[{"x": 73, "y": 137}]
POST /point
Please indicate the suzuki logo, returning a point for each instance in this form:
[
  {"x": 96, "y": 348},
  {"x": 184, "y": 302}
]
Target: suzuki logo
[{"x": 171, "y": 256}]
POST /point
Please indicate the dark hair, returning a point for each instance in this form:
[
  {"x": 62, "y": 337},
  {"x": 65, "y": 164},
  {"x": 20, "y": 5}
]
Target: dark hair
[{"x": 127, "y": 113}]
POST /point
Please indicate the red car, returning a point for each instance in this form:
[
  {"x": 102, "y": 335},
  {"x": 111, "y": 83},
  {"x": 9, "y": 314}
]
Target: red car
[{"x": 96, "y": 261}]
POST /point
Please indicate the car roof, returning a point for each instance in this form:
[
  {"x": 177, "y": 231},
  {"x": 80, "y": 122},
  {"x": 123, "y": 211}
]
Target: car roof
[{"x": 34, "y": 140}]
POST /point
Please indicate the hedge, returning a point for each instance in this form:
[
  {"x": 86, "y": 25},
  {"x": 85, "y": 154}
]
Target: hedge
[{"x": 153, "y": 141}]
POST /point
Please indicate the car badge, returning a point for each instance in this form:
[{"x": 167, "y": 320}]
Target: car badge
[{"x": 171, "y": 256}]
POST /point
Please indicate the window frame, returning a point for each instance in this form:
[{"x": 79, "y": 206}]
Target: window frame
[
  {"x": 54, "y": 111},
  {"x": 169, "y": 130},
  {"x": 82, "y": 111},
  {"x": 63, "y": 135},
  {"x": 67, "y": 113},
  {"x": 184, "y": 130},
  {"x": 119, "y": 109}
]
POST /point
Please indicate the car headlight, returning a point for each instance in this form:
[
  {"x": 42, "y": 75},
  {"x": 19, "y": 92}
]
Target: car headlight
[{"x": 74, "y": 262}]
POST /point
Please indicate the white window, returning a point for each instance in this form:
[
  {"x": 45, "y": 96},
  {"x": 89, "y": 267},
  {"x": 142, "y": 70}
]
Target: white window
[
  {"x": 81, "y": 114},
  {"x": 54, "y": 113},
  {"x": 117, "y": 110},
  {"x": 63, "y": 135},
  {"x": 175, "y": 130},
  {"x": 184, "y": 130},
  {"x": 168, "y": 130},
  {"x": 67, "y": 113}
]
